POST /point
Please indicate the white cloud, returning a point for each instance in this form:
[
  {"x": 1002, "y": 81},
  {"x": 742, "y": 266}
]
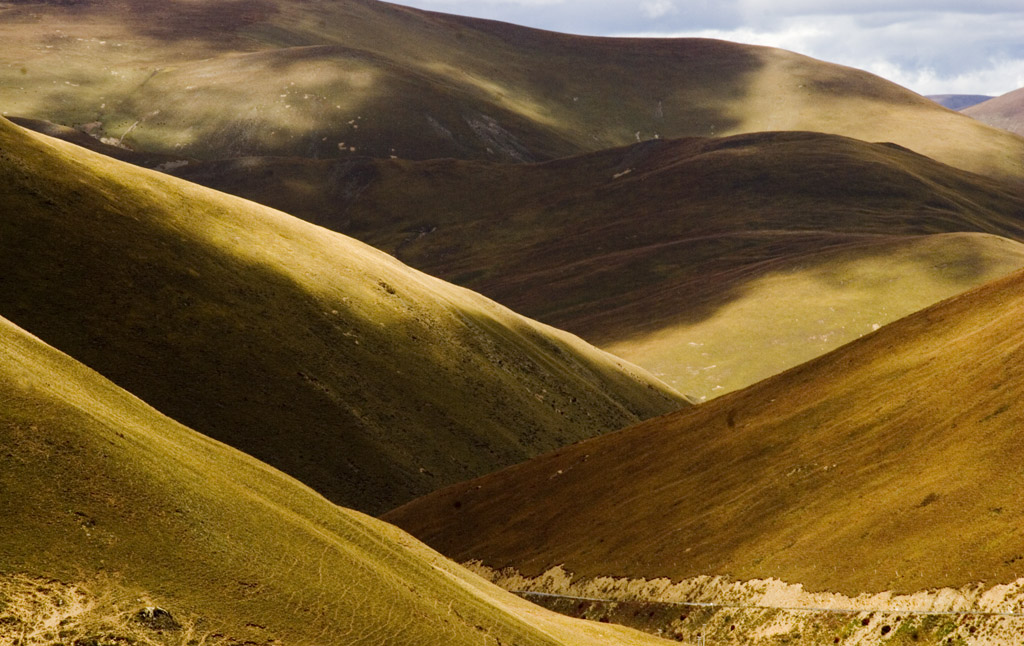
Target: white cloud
[
  {"x": 793, "y": 8},
  {"x": 473, "y": 6},
  {"x": 994, "y": 78},
  {"x": 658, "y": 8}
]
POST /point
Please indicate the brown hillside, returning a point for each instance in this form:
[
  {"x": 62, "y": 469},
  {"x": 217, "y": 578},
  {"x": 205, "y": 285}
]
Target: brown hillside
[
  {"x": 110, "y": 508},
  {"x": 365, "y": 379},
  {"x": 357, "y": 77},
  {"x": 893, "y": 463},
  {"x": 712, "y": 262},
  {"x": 1005, "y": 112}
]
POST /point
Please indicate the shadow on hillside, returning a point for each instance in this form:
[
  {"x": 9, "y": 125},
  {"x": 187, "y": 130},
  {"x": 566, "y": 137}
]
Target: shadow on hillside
[
  {"x": 313, "y": 354},
  {"x": 233, "y": 350},
  {"x": 842, "y": 265},
  {"x": 178, "y": 21},
  {"x": 325, "y": 102},
  {"x": 476, "y": 90}
]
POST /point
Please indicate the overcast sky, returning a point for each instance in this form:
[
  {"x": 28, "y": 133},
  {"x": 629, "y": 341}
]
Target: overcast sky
[{"x": 929, "y": 46}]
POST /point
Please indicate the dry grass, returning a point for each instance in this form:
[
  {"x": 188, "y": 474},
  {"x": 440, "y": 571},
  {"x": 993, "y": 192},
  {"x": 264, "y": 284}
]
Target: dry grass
[
  {"x": 892, "y": 463},
  {"x": 35, "y": 610},
  {"x": 111, "y": 508}
]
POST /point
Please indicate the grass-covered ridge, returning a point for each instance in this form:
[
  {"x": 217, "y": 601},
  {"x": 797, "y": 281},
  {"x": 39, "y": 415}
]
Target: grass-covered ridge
[
  {"x": 1006, "y": 111},
  {"x": 890, "y": 464},
  {"x": 111, "y": 508},
  {"x": 369, "y": 381},
  {"x": 354, "y": 77}
]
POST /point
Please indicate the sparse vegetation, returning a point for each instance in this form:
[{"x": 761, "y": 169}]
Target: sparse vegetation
[
  {"x": 766, "y": 613},
  {"x": 45, "y": 611}
]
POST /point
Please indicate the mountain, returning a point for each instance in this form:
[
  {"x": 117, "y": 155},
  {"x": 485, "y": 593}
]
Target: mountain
[
  {"x": 713, "y": 263},
  {"x": 958, "y": 101},
  {"x": 1006, "y": 112},
  {"x": 367, "y": 380},
  {"x": 360, "y": 77},
  {"x": 123, "y": 526},
  {"x": 891, "y": 465}
]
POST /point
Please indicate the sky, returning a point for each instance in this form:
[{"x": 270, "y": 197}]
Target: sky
[{"x": 931, "y": 47}]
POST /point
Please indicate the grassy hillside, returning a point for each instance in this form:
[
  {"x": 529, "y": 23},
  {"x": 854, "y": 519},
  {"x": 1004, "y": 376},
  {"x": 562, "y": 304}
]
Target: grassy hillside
[
  {"x": 891, "y": 464},
  {"x": 1005, "y": 112},
  {"x": 367, "y": 380},
  {"x": 712, "y": 262},
  {"x": 338, "y": 78},
  {"x": 110, "y": 508}
]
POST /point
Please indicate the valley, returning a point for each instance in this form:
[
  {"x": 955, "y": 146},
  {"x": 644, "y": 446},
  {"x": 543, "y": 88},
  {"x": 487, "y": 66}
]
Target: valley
[
  {"x": 663, "y": 253},
  {"x": 841, "y": 467},
  {"x": 344, "y": 322}
]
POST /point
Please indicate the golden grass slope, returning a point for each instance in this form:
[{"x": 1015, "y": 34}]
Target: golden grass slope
[
  {"x": 805, "y": 306},
  {"x": 363, "y": 77},
  {"x": 367, "y": 380},
  {"x": 893, "y": 463},
  {"x": 714, "y": 263},
  {"x": 110, "y": 507}
]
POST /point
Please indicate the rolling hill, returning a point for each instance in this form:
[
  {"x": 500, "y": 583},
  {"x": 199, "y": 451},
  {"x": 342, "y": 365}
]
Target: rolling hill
[
  {"x": 713, "y": 263},
  {"x": 958, "y": 101},
  {"x": 367, "y": 380},
  {"x": 1005, "y": 112},
  {"x": 121, "y": 526},
  {"x": 891, "y": 465},
  {"x": 359, "y": 77}
]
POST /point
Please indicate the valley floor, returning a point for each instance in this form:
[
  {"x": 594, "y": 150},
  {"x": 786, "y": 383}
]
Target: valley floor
[{"x": 770, "y": 612}]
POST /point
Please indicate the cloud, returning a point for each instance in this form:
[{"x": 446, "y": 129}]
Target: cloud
[
  {"x": 657, "y": 8},
  {"x": 593, "y": 17},
  {"x": 473, "y": 6},
  {"x": 796, "y": 8}
]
